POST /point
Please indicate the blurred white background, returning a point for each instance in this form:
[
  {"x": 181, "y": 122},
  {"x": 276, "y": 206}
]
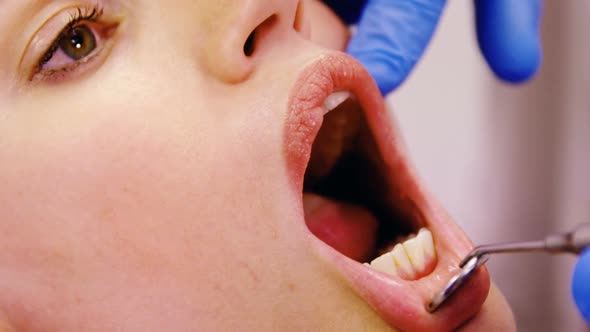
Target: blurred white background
[{"x": 508, "y": 162}]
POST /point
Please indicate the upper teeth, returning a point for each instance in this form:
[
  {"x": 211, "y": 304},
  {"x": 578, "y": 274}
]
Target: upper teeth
[
  {"x": 334, "y": 100},
  {"x": 409, "y": 260}
]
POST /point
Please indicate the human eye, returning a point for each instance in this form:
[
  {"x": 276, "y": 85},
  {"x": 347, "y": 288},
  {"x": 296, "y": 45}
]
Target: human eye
[{"x": 78, "y": 47}]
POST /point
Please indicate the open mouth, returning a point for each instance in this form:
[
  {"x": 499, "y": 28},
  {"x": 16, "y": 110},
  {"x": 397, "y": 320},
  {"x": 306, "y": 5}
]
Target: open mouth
[
  {"x": 360, "y": 197},
  {"x": 348, "y": 203}
]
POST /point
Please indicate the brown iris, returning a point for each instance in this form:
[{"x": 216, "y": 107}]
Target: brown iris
[{"x": 78, "y": 43}]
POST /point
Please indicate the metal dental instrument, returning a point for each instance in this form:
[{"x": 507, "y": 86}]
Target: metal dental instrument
[{"x": 571, "y": 242}]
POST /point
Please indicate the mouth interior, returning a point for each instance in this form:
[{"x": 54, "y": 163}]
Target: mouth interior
[{"x": 347, "y": 168}]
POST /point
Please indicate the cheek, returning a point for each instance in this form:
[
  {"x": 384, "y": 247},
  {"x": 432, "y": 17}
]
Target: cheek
[
  {"x": 143, "y": 175},
  {"x": 327, "y": 30},
  {"x": 145, "y": 190},
  {"x": 124, "y": 162}
]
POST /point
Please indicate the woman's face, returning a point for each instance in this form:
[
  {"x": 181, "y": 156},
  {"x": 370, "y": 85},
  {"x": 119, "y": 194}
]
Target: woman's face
[{"x": 152, "y": 165}]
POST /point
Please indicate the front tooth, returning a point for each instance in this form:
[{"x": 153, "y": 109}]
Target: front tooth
[
  {"x": 425, "y": 237},
  {"x": 334, "y": 100},
  {"x": 415, "y": 251},
  {"x": 410, "y": 259},
  {"x": 402, "y": 262},
  {"x": 385, "y": 263}
]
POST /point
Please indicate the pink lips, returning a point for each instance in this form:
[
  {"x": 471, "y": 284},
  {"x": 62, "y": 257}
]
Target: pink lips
[{"x": 400, "y": 303}]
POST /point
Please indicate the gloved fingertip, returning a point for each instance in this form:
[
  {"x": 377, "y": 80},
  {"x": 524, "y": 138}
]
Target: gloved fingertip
[
  {"x": 392, "y": 36},
  {"x": 508, "y": 33},
  {"x": 518, "y": 65},
  {"x": 384, "y": 80},
  {"x": 581, "y": 285},
  {"x": 386, "y": 75},
  {"x": 514, "y": 64}
]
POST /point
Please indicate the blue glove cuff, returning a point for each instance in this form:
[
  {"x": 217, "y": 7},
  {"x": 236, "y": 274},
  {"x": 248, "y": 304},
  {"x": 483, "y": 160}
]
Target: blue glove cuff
[{"x": 581, "y": 285}]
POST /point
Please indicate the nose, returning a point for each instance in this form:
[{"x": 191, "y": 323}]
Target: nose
[{"x": 249, "y": 30}]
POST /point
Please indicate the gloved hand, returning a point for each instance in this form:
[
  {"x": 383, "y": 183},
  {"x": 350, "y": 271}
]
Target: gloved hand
[
  {"x": 581, "y": 284},
  {"x": 392, "y": 35}
]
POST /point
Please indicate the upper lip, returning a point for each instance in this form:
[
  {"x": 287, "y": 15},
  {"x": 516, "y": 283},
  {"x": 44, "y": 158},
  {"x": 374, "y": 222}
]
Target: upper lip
[{"x": 400, "y": 303}]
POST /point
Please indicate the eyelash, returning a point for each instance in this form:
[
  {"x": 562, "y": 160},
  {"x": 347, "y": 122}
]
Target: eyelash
[
  {"x": 88, "y": 14},
  {"x": 82, "y": 14}
]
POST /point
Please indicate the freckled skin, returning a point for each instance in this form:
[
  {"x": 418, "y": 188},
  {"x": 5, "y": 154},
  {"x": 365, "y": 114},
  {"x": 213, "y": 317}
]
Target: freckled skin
[{"x": 151, "y": 194}]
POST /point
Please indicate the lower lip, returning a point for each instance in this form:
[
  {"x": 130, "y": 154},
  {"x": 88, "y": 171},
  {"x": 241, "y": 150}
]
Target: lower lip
[{"x": 402, "y": 304}]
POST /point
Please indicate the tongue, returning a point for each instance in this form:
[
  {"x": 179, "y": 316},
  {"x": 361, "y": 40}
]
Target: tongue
[{"x": 348, "y": 228}]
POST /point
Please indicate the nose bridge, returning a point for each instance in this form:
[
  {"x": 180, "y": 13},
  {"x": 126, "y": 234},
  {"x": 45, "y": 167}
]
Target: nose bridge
[{"x": 237, "y": 32}]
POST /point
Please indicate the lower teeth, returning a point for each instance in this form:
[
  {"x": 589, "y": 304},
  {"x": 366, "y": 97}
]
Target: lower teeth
[{"x": 409, "y": 260}]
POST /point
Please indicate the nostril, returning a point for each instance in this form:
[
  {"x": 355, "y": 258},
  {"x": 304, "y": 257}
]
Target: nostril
[
  {"x": 249, "y": 45},
  {"x": 253, "y": 39}
]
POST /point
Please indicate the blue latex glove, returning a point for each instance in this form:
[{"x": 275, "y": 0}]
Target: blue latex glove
[
  {"x": 392, "y": 35},
  {"x": 581, "y": 284}
]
